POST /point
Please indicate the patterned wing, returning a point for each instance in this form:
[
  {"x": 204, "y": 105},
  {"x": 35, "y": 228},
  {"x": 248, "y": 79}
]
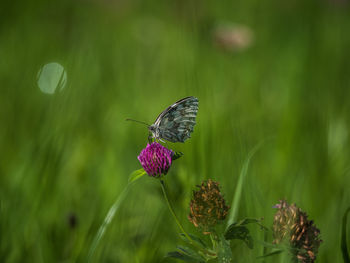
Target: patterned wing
[{"x": 176, "y": 123}]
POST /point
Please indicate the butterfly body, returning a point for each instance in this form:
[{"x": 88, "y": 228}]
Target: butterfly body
[{"x": 175, "y": 124}]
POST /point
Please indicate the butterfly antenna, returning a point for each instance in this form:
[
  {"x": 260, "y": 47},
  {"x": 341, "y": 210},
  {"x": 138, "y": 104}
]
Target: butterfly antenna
[{"x": 138, "y": 122}]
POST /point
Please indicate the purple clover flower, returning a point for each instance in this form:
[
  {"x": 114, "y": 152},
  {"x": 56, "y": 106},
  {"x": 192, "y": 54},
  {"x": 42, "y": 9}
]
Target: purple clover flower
[{"x": 156, "y": 159}]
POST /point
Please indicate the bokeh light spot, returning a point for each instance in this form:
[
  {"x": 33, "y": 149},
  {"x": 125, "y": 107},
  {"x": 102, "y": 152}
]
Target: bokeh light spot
[{"x": 52, "y": 77}]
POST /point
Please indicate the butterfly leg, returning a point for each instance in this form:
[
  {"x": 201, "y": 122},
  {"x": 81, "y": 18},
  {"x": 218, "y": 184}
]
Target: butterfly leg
[{"x": 150, "y": 137}]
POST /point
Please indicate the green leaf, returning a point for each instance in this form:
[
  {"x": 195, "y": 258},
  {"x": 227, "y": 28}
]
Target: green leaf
[
  {"x": 240, "y": 183},
  {"x": 177, "y": 155},
  {"x": 181, "y": 256},
  {"x": 343, "y": 242},
  {"x": 186, "y": 254},
  {"x": 224, "y": 251},
  {"x": 191, "y": 253},
  {"x": 136, "y": 175},
  {"x": 195, "y": 239},
  {"x": 247, "y": 221},
  {"x": 239, "y": 232},
  {"x": 276, "y": 252}
]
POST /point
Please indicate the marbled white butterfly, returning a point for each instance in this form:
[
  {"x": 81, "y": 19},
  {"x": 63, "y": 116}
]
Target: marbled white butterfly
[{"x": 175, "y": 124}]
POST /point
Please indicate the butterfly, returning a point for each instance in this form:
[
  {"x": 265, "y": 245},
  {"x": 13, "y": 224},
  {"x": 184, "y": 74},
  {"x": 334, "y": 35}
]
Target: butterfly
[{"x": 175, "y": 123}]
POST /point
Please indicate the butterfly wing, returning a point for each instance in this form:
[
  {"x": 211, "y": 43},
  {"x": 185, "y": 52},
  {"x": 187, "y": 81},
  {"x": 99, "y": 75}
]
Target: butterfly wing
[{"x": 175, "y": 124}]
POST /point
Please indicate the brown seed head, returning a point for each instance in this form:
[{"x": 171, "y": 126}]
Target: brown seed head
[
  {"x": 291, "y": 225},
  {"x": 207, "y": 206}
]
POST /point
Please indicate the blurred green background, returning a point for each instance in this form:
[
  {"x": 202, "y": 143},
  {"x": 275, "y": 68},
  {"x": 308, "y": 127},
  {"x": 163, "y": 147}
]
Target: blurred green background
[{"x": 66, "y": 156}]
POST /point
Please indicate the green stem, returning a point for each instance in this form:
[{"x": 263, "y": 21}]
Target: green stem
[
  {"x": 205, "y": 251},
  {"x": 172, "y": 211},
  {"x": 214, "y": 240}
]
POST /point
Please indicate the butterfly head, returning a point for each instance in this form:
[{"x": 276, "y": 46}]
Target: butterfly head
[
  {"x": 153, "y": 129},
  {"x": 154, "y": 133}
]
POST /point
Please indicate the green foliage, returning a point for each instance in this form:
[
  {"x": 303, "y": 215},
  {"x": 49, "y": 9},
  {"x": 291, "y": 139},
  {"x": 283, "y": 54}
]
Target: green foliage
[
  {"x": 195, "y": 254},
  {"x": 137, "y": 174},
  {"x": 186, "y": 255},
  {"x": 238, "y": 230},
  {"x": 224, "y": 251},
  {"x": 196, "y": 239},
  {"x": 344, "y": 247},
  {"x": 220, "y": 249},
  {"x": 247, "y": 221}
]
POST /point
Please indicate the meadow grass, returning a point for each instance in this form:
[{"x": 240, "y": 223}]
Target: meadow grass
[{"x": 66, "y": 157}]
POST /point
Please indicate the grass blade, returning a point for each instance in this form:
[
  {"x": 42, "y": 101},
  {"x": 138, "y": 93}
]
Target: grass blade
[
  {"x": 240, "y": 183},
  {"x": 111, "y": 213},
  {"x": 136, "y": 175},
  {"x": 106, "y": 222},
  {"x": 344, "y": 248}
]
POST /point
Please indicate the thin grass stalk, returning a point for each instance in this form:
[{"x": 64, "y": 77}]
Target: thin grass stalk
[{"x": 108, "y": 219}]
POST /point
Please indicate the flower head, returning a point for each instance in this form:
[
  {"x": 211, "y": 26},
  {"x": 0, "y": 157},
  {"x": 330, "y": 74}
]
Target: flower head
[
  {"x": 207, "y": 206},
  {"x": 156, "y": 159},
  {"x": 291, "y": 224}
]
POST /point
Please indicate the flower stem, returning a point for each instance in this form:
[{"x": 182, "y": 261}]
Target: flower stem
[
  {"x": 172, "y": 211},
  {"x": 206, "y": 252}
]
